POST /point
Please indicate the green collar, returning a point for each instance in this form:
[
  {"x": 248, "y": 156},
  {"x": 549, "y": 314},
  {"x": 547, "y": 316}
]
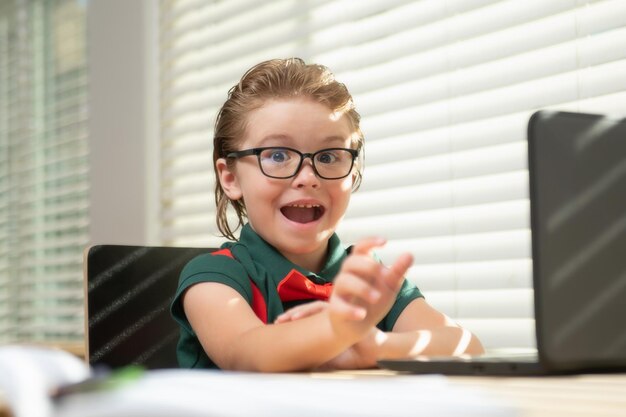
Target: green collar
[{"x": 265, "y": 254}]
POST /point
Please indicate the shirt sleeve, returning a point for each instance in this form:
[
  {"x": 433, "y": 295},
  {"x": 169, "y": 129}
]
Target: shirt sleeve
[
  {"x": 209, "y": 268},
  {"x": 408, "y": 292}
]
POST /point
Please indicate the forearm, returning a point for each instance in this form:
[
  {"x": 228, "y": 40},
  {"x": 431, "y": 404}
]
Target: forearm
[
  {"x": 440, "y": 341},
  {"x": 292, "y": 346}
]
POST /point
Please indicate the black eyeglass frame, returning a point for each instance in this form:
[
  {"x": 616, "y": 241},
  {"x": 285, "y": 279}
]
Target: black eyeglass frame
[{"x": 303, "y": 156}]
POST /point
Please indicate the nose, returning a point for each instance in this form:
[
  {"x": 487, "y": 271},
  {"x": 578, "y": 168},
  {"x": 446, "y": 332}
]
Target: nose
[{"x": 306, "y": 176}]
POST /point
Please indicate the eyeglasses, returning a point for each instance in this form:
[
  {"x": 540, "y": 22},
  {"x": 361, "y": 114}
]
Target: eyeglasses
[{"x": 280, "y": 162}]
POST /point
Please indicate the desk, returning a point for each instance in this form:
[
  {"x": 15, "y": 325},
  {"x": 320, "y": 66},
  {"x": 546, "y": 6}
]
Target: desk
[
  {"x": 563, "y": 396},
  {"x": 555, "y": 396}
]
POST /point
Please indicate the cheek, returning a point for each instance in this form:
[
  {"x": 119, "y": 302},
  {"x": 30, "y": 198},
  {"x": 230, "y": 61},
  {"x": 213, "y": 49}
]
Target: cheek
[
  {"x": 347, "y": 183},
  {"x": 343, "y": 191},
  {"x": 260, "y": 189}
]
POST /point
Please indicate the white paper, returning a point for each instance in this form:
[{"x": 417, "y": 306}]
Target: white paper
[
  {"x": 29, "y": 373},
  {"x": 27, "y": 376},
  {"x": 186, "y": 393}
]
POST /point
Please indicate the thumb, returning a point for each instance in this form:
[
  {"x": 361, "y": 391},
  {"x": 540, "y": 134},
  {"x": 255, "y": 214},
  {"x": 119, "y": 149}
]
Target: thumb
[{"x": 394, "y": 275}]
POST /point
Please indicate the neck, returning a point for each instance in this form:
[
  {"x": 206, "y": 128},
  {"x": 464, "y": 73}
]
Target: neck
[{"x": 313, "y": 261}]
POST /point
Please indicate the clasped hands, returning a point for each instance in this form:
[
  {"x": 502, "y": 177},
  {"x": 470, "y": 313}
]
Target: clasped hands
[{"x": 363, "y": 292}]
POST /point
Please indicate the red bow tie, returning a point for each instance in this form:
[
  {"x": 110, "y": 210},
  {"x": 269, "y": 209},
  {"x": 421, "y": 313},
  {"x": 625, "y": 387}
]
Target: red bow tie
[{"x": 296, "y": 286}]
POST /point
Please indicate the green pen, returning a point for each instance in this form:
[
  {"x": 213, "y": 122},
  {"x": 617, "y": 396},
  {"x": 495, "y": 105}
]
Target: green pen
[{"x": 101, "y": 381}]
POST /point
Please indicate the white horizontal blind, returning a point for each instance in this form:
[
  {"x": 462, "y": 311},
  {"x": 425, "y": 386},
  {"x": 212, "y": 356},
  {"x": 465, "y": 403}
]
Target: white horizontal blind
[
  {"x": 43, "y": 170},
  {"x": 445, "y": 88}
]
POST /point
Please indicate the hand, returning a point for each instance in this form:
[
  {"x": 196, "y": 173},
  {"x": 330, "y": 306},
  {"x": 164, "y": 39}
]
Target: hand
[
  {"x": 364, "y": 290},
  {"x": 301, "y": 311},
  {"x": 362, "y": 354}
]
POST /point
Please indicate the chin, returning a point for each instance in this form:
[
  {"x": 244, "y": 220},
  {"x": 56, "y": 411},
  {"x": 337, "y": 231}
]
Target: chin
[{"x": 303, "y": 245}]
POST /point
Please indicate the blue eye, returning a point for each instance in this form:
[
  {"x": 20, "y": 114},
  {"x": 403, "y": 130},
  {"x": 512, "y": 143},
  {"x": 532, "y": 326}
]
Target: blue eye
[
  {"x": 327, "y": 158},
  {"x": 276, "y": 155}
]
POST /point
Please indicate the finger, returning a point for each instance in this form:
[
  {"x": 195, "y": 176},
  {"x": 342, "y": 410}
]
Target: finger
[
  {"x": 365, "y": 246},
  {"x": 301, "y": 311},
  {"x": 353, "y": 288},
  {"x": 308, "y": 309},
  {"x": 394, "y": 275},
  {"x": 363, "y": 266},
  {"x": 346, "y": 310},
  {"x": 284, "y": 317}
]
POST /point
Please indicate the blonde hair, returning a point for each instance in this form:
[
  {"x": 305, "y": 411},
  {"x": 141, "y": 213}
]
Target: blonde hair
[{"x": 275, "y": 79}]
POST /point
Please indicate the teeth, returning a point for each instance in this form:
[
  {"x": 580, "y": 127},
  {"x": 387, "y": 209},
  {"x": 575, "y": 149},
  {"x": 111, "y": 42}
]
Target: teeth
[{"x": 305, "y": 205}]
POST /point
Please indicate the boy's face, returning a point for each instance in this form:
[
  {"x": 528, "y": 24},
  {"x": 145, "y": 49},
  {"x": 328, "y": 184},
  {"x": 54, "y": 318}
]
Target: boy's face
[{"x": 274, "y": 206}]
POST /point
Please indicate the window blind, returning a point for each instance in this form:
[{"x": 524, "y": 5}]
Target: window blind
[
  {"x": 445, "y": 89},
  {"x": 43, "y": 167}
]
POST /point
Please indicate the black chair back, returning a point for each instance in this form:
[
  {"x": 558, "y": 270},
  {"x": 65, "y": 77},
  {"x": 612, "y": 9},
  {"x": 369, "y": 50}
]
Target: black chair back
[{"x": 128, "y": 293}]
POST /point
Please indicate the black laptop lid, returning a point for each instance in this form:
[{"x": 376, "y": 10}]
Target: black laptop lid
[{"x": 577, "y": 166}]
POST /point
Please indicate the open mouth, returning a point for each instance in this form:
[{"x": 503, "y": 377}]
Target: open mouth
[{"x": 302, "y": 213}]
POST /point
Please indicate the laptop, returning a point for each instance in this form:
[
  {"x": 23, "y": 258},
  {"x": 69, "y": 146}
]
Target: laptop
[{"x": 577, "y": 166}]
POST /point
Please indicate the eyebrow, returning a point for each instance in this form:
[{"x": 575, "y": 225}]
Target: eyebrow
[
  {"x": 273, "y": 137},
  {"x": 289, "y": 139}
]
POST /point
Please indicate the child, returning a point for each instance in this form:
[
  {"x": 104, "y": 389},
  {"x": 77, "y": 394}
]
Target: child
[{"x": 288, "y": 152}]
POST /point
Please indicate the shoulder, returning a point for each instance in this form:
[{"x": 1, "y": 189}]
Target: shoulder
[
  {"x": 219, "y": 261},
  {"x": 217, "y": 266}
]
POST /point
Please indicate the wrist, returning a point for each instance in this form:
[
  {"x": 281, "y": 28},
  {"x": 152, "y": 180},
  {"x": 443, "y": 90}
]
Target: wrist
[
  {"x": 344, "y": 332},
  {"x": 400, "y": 345},
  {"x": 381, "y": 342}
]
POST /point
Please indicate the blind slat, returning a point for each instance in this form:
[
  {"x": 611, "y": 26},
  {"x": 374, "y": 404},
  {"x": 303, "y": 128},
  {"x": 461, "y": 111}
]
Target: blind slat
[
  {"x": 501, "y": 187},
  {"x": 477, "y": 304},
  {"x": 495, "y": 274},
  {"x": 510, "y": 215},
  {"x": 461, "y": 248},
  {"x": 476, "y": 162}
]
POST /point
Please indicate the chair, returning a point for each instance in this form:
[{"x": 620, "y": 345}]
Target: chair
[{"x": 128, "y": 290}]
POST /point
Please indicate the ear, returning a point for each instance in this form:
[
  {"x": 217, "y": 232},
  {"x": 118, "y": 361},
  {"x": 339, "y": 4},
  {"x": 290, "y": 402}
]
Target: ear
[
  {"x": 228, "y": 180},
  {"x": 355, "y": 177}
]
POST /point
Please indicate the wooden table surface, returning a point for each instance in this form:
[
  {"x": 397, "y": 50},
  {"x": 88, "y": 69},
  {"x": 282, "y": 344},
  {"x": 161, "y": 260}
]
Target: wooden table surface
[
  {"x": 589, "y": 395},
  {"x": 559, "y": 396}
]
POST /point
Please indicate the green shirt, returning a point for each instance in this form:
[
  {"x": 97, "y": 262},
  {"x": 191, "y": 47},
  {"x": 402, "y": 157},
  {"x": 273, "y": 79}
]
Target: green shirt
[{"x": 256, "y": 267}]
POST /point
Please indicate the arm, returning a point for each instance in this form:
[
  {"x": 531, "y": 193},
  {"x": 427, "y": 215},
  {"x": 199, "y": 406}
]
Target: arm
[
  {"x": 236, "y": 339},
  {"x": 420, "y": 330},
  {"x": 363, "y": 293}
]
